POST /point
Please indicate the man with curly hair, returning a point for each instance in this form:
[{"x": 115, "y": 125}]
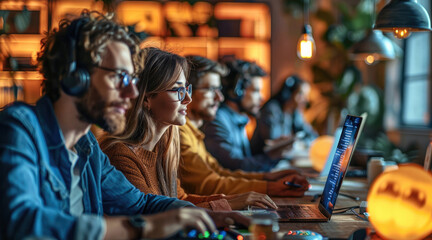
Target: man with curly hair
[{"x": 55, "y": 181}]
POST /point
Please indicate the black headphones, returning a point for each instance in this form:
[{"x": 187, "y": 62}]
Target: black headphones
[
  {"x": 77, "y": 81},
  {"x": 242, "y": 82},
  {"x": 291, "y": 84}
]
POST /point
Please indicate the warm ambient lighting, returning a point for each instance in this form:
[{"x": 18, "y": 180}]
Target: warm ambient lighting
[
  {"x": 403, "y": 17},
  {"x": 306, "y": 44},
  {"x": 370, "y": 59},
  {"x": 400, "y": 203},
  {"x": 401, "y": 33},
  {"x": 319, "y": 151}
]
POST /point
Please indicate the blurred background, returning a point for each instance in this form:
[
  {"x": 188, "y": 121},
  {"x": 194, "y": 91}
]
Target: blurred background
[{"x": 347, "y": 74}]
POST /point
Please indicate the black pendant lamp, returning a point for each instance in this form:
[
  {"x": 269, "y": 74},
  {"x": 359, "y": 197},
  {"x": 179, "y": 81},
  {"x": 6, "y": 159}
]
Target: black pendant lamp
[
  {"x": 375, "y": 46},
  {"x": 403, "y": 17}
]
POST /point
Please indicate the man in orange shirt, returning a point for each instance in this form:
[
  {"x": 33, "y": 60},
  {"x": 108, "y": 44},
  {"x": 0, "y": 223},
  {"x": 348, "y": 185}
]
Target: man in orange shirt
[{"x": 199, "y": 171}]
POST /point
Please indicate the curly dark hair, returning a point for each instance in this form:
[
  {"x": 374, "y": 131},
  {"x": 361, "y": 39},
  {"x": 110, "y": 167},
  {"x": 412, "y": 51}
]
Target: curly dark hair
[{"x": 92, "y": 39}]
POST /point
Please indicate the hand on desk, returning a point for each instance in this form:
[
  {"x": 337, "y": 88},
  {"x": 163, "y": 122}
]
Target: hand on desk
[
  {"x": 273, "y": 176},
  {"x": 225, "y": 219},
  {"x": 243, "y": 200},
  {"x": 280, "y": 189},
  {"x": 166, "y": 224}
]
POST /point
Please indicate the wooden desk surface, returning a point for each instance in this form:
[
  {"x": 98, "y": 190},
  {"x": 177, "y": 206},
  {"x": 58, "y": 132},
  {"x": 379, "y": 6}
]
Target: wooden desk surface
[{"x": 341, "y": 226}]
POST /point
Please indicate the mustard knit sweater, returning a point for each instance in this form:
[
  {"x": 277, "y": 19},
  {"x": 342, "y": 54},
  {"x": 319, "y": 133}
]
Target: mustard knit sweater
[{"x": 201, "y": 173}]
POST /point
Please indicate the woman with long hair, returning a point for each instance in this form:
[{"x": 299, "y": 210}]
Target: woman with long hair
[{"x": 148, "y": 151}]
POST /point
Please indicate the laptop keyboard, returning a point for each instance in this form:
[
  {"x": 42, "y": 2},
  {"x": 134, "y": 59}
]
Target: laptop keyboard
[{"x": 298, "y": 211}]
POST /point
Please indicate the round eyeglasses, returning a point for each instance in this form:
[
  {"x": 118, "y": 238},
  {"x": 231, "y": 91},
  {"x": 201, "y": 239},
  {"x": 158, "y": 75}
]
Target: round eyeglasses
[
  {"x": 181, "y": 91},
  {"x": 211, "y": 90},
  {"x": 123, "y": 80}
]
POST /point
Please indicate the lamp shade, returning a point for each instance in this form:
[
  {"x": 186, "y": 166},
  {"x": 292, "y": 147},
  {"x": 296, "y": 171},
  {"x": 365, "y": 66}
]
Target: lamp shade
[
  {"x": 406, "y": 14},
  {"x": 376, "y": 45}
]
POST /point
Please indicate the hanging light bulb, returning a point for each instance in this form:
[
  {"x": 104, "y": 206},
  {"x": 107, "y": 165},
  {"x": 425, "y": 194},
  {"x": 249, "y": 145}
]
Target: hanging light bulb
[
  {"x": 401, "y": 33},
  {"x": 371, "y": 59},
  {"x": 306, "y": 44},
  {"x": 403, "y": 17}
]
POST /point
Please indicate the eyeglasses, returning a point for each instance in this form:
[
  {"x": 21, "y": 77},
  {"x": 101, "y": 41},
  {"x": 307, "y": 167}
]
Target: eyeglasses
[
  {"x": 211, "y": 89},
  {"x": 181, "y": 91},
  {"x": 123, "y": 80}
]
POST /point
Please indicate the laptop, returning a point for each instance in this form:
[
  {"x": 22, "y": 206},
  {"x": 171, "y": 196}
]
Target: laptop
[
  {"x": 341, "y": 158},
  {"x": 329, "y": 161}
]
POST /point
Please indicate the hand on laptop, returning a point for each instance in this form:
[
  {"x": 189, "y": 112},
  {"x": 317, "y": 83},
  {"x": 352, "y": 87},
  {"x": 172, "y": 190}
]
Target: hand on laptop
[
  {"x": 243, "y": 200},
  {"x": 273, "y": 176},
  {"x": 168, "y": 223},
  {"x": 298, "y": 185}
]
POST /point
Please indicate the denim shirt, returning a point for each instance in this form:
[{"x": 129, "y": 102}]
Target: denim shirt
[
  {"x": 226, "y": 140},
  {"x": 35, "y": 180}
]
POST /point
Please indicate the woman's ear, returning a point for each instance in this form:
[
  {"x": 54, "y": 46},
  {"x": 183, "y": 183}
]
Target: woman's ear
[{"x": 146, "y": 102}]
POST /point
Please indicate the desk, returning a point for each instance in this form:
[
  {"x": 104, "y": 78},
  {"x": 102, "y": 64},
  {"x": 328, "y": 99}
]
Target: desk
[{"x": 340, "y": 226}]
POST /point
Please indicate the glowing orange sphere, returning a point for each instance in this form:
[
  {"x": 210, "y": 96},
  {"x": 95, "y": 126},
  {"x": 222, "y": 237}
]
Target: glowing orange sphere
[
  {"x": 400, "y": 203},
  {"x": 319, "y": 151}
]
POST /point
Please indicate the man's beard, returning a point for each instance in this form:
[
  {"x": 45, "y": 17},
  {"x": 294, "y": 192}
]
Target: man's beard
[
  {"x": 249, "y": 110},
  {"x": 92, "y": 109},
  {"x": 204, "y": 115}
]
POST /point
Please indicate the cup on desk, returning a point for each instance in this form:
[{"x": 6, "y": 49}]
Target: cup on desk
[
  {"x": 376, "y": 166},
  {"x": 264, "y": 226}
]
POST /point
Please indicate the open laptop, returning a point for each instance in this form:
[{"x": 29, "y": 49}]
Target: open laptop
[
  {"x": 329, "y": 161},
  {"x": 322, "y": 212}
]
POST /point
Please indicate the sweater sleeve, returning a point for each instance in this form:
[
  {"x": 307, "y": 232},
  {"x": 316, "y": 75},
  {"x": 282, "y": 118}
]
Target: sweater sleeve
[
  {"x": 214, "y": 202},
  {"x": 200, "y": 178},
  {"x": 213, "y": 163}
]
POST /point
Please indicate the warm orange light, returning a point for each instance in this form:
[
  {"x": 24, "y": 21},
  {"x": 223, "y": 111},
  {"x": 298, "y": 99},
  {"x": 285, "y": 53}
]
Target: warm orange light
[
  {"x": 319, "y": 151},
  {"x": 370, "y": 59},
  {"x": 2, "y": 23},
  {"x": 306, "y": 44},
  {"x": 400, "y": 203},
  {"x": 401, "y": 33},
  {"x": 306, "y": 47}
]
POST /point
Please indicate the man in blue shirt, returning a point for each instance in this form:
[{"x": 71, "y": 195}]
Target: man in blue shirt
[
  {"x": 55, "y": 182},
  {"x": 225, "y": 136}
]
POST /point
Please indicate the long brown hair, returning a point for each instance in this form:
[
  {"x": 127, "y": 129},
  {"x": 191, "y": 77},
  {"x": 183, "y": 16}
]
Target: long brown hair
[{"x": 160, "y": 71}]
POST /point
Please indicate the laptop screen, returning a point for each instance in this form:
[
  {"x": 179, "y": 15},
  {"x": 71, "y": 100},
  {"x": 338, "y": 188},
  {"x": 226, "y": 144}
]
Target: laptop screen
[{"x": 341, "y": 159}]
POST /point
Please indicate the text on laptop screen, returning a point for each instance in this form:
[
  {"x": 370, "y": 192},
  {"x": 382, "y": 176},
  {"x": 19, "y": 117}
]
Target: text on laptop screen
[{"x": 340, "y": 161}]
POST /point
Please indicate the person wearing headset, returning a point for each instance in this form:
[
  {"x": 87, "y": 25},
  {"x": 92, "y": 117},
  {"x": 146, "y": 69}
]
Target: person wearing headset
[
  {"x": 55, "y": 181},
  {"x": 199, "y": 171},
  {"x": 225, "y": 136},
  {"x": 281, "y": 117}
]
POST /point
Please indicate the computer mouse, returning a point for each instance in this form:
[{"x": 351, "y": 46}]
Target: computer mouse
[{"x": 302, "y": 235}]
